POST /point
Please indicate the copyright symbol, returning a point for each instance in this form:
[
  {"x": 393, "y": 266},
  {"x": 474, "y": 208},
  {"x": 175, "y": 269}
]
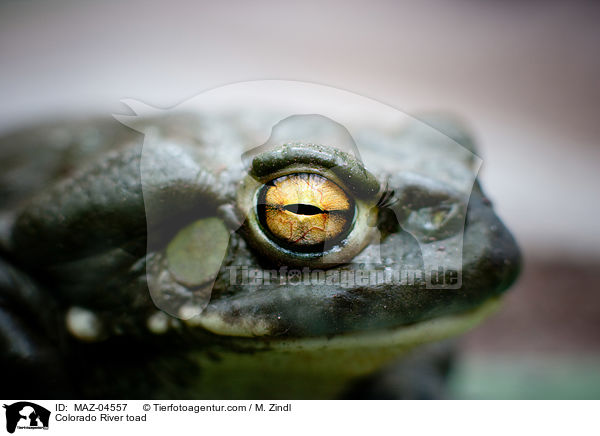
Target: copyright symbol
[{"x": 146, "y": 407}]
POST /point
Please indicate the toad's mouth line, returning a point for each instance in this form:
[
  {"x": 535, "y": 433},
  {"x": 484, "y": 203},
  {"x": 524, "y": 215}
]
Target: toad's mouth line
[{"x": 407, "y": 335}]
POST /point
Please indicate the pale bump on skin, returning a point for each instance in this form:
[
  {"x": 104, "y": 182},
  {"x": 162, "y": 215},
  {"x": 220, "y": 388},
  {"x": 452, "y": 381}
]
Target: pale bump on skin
[
  {"x": 189, "y": 311},
  {"x": 158, "y": 323},
  {"x": 294, "y": 226},
  {"x": 215, "y": 323},
  {"x": 83, "y": 324}
]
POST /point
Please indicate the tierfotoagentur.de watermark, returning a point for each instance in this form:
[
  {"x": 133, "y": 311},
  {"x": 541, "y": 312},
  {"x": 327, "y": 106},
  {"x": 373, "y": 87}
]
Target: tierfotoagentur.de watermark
[{"x": 345, "y": 278}]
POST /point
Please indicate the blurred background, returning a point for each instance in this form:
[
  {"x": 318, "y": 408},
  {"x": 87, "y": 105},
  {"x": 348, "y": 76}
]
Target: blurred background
[{"x": 524, "y": 75}]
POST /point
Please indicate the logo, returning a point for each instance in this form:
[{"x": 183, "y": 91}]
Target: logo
[{"x": 26, "y": 415}]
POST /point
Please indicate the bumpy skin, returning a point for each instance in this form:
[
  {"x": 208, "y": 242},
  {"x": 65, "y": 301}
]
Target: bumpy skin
[{"x": 74, "y": 230}]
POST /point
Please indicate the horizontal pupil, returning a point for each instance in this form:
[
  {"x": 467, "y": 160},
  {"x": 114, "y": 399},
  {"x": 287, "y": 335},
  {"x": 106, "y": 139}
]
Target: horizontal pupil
[{"x": 303, "y": 209}]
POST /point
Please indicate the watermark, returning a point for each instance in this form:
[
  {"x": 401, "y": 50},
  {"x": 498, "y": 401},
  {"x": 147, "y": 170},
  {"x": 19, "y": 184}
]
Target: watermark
[
  {"x": 344, "y": 278},
  {"x": 263, "y": 160},
  {"x": 25, "y": 415}
]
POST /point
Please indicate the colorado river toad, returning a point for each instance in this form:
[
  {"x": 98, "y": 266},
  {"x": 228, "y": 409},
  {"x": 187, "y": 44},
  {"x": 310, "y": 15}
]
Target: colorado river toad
[{"x": 277, "y": 252}]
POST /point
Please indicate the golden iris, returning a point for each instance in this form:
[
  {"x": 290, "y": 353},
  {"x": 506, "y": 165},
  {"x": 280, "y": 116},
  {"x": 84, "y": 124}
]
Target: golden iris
[{"x": 305, "y": 210}]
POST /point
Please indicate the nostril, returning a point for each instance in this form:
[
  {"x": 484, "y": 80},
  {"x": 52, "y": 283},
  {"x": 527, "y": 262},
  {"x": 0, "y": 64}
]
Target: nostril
[{"x": 303, "y": 209}]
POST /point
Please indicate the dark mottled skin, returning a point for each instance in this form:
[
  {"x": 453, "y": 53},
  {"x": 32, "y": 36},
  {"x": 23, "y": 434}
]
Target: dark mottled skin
[{"x": 72, "y": 237}]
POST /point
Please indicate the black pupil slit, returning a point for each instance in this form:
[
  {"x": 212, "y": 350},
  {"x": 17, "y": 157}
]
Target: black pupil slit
[{"x": 303, "y": 209}]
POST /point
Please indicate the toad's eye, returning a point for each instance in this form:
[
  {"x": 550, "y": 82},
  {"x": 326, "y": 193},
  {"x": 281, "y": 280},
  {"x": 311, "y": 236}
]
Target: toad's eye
[
  {"x": 304, "y": 211},
  {"x": 307, "y": 204}
]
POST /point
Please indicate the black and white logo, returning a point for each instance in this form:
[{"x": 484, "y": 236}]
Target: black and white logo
[{"x": 26, "y": 415}]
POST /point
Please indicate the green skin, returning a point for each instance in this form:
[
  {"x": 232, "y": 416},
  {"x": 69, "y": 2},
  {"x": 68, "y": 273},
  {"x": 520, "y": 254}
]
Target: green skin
[{"x": 83, "y": 229}]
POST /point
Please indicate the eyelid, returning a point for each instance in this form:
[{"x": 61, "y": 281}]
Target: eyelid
[{"x": 348, "y": 169}]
